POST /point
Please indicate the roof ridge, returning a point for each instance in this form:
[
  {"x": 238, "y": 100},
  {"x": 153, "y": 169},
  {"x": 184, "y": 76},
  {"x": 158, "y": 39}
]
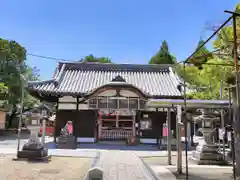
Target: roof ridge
[
  {"x": 116, "y": 67},
  {"x": 118, "y": 64}
]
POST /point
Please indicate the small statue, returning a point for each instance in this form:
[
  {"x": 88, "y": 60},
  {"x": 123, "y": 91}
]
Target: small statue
[{"x": 67, "y": 130}]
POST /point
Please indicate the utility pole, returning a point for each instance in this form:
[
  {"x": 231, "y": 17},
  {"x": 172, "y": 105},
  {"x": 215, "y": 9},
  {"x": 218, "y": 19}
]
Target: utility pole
[
  {"x": 237, "y": 100},
  {"x": 236, "y": 130}
]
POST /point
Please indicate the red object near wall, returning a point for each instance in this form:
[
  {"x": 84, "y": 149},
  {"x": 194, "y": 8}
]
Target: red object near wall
[
  {"x": 70, "y": 128},
  {"x": 164, "y": 131},
  {"x": 49, "y": 131}
]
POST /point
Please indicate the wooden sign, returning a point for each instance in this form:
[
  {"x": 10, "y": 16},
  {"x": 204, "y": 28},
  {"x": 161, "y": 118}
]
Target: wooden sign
[{"x": 182, "y": 131}]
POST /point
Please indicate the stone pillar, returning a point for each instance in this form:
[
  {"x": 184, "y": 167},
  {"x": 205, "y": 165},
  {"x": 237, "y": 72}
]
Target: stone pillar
[
  {"x": 178, "y": 137},
  {"x": 206, "y": 152}
]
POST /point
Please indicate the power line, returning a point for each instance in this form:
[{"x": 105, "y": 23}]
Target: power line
[
  {"x": 205, "y": 42},
  {"x": 49, "y": 57}
]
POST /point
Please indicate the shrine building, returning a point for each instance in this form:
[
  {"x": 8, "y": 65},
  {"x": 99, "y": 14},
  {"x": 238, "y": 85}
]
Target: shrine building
[{"x": 107, "y": 101}]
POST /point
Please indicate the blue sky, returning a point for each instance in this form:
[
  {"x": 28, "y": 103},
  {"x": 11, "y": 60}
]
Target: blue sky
[{"x": 128, "y": 31}]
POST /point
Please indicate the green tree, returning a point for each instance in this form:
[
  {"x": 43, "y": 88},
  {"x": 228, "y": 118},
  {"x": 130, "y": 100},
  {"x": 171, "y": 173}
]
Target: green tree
[
  {"x": 201, "y": 56},
  {"x": 12, "y": 69},
  {"x": 224, "y": 39},
  {"x": 163, "y": 56},
  {"x": 3, "y": 93},
  {"x": 204, "y": 83},
  {"x": 91, "y": 58},
  {"x": 203, "y": 80}
]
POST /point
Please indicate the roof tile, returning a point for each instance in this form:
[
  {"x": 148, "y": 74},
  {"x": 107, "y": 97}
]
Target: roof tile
[{"x": 83, "y": 78}]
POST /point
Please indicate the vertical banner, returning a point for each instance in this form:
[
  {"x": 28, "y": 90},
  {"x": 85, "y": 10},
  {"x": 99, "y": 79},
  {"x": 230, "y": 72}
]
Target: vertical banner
[{"x": 164, "y": 131}]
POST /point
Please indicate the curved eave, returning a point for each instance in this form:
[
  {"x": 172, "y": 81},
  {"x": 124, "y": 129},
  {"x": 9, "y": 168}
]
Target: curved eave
[
  {"x": 43, "y": 96},
  {"x": 117, "y": 85}
]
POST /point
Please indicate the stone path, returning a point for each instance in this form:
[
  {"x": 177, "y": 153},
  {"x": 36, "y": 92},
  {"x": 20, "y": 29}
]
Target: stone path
[{"x": 123, "y": 165}]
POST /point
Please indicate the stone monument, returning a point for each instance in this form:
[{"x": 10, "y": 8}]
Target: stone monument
[
  {"x": 206, "y": 152},
  {"x": 66, "y": 140},
  {"x": 33, "y": 149},
  {"x": 94, "y": 173}
]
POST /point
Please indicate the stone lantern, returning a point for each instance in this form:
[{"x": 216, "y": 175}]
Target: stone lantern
[{"x": 207, "y": 152}]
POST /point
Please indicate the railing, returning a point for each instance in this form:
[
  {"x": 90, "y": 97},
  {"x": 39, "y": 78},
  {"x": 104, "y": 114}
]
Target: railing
[{"x": 113, "y": 134}]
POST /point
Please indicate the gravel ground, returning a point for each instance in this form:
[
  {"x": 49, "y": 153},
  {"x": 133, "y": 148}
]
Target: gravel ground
[{"x": 59, "y": 168}]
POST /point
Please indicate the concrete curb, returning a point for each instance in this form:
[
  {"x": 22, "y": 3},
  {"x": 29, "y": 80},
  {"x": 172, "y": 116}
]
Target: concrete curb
[
  {"x": 96, "y": 159},
  {"x": 163, "y": 173},
  {"x": 150, "y": 171},
  {"x": 94, "y": 163}
]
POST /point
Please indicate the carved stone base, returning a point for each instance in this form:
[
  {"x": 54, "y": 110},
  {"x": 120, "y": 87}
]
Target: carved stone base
[
  {"x": 33, "y": 149},
  {"x": 33, "y": 154},
  {"x": 66, "y": 142},
  {"x": 208, "y": 155}
]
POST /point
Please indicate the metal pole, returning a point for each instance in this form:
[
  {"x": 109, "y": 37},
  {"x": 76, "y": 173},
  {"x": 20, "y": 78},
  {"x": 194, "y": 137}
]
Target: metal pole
[
  {"x": 21, "y": 111},
  {"x": 169, "y": 137},
  {"x": 222, "y": 118},
  {"x": 185, "y": 122}
]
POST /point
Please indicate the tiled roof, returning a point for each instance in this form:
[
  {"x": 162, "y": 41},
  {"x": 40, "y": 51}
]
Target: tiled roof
[{"x": 82, "y": 78}]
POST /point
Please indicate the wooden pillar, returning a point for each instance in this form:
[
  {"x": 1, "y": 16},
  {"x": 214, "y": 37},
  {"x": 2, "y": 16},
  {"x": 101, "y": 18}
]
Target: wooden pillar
[
  {"x": 77, "y": 109},
  {"x": 55, "y": 138},
  {"x": 134, "y": 125}
]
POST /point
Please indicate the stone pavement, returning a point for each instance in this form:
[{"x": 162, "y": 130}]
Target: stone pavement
[
  {"x": 196, "y": 172},
  {"x": 123, "y": 165},
  {"x": 204, "y": 173}
]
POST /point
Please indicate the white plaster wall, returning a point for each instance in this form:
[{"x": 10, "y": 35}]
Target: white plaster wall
[
  {"x": 67, "y": 106},
  {"x": 67, "y": 99},
  {"x": 82, "y": 106},
  {"x": 108, "y": 93},
  {"x": 127, "y": 93}
]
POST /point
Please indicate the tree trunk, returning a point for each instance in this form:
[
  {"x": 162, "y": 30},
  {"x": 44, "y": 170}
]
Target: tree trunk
[{"x": 12, "y": 116}]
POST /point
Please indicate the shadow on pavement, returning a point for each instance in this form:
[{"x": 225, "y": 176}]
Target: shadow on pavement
[
  {"x": 141, "y": 147},
  {"x": 106, "y": 146}
]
